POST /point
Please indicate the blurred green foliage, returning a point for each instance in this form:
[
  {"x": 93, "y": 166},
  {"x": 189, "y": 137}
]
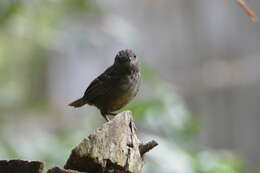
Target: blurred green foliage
[{"x": 27, "y": 28}]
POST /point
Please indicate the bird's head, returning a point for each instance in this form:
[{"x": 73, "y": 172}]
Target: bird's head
[{"x": 127, "y": 60}]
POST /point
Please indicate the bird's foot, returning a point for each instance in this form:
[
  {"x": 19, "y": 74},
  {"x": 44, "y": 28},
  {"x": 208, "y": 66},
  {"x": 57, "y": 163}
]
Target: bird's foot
[
  {"x": 106, "y": 118},
  {"x": 112, "y": 113},
  {"x": 106, "y": 114}
]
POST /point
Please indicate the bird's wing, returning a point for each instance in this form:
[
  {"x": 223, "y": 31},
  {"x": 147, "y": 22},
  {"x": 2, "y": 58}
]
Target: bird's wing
[{"x": 101, "y": 86}]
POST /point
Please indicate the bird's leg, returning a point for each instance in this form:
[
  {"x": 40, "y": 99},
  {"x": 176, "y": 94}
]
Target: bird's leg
[
  {"x": 112, "y": 113},
  {"x": 105, "y": 116}
]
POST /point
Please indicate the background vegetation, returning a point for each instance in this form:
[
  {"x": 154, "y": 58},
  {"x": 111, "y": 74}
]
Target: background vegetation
[{"x": 49, "y": 52}]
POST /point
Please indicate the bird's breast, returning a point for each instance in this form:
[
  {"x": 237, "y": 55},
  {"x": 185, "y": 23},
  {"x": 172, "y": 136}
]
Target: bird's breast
[{"x": 126, "y": 90}]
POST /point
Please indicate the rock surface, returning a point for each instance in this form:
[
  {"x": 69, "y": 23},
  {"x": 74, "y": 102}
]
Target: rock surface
[
  {"x": 21, "y": 166},
  {"x": 113, "y": 147},
  {"x": 57, "y": 169}
]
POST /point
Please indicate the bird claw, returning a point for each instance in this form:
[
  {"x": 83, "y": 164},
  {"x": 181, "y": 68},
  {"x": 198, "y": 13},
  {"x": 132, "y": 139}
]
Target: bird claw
[
  {"x": 111, "y": 113},
  {"x": 105, "y": 116}
]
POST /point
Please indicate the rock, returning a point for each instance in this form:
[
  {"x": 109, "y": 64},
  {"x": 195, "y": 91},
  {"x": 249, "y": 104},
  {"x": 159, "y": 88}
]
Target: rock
[
  {"x": 112, "y": 148},
  {"x": 57, "y": 169},
  {"x": 21, "y": 166}
]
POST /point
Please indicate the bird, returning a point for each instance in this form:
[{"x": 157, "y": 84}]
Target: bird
[{"x": 115, "y": 87}]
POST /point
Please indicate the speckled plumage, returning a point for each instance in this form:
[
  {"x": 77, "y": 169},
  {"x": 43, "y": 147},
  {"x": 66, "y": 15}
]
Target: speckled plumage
[{"x": 115, "y": 87}]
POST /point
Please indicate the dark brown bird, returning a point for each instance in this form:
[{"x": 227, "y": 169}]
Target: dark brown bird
[{"x": 115, "y": 87}]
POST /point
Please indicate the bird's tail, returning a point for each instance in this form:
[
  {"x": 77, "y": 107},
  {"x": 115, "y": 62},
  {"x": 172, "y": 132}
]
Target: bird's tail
[{"x": 78, "y": 103}]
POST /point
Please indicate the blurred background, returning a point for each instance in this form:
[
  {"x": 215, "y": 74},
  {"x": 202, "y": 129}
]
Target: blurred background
[{"x": 200, "y": 92}]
